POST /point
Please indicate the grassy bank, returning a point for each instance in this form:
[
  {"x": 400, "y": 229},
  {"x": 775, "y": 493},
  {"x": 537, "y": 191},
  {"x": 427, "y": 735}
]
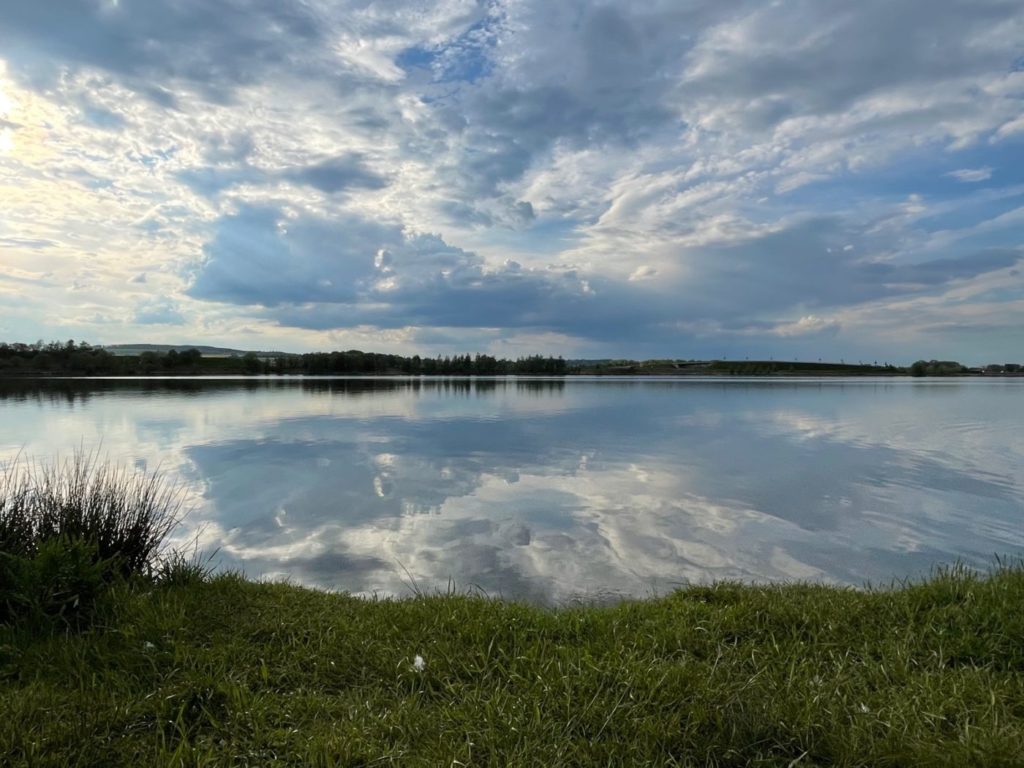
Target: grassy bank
[{"x": 228, "y": 672}]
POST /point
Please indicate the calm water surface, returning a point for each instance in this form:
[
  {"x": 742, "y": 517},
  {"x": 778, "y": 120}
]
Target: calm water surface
[{"x": 550, "y": 490}]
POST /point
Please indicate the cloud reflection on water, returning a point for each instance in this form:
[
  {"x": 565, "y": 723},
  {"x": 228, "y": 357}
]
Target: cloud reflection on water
[{"x": 548, "y": 490}]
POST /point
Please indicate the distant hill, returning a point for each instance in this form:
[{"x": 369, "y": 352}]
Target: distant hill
[{"x": 133, "y": 350}]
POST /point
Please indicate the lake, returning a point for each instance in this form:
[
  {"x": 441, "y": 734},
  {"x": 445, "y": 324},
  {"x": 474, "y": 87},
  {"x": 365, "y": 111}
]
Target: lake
[{"x": 554, "y": 490}]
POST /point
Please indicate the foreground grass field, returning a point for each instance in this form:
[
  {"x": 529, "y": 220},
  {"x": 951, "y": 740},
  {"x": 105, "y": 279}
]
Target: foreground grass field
[{"x": 227, "y": 672}]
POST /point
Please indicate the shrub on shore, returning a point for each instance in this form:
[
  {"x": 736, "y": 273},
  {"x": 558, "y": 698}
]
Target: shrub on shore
[{"x": 70, "y": 528}]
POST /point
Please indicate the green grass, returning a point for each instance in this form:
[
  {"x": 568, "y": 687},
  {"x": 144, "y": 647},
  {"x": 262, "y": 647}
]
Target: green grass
[{"x": 228, "y": 672}]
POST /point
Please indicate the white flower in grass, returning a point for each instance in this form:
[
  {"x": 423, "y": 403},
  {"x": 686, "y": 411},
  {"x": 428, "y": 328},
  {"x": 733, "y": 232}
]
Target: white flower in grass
[
  {"x": 148, "y": 646},
  {"x": 864, "y": 709},
  {"x": 418, "y": 663}
]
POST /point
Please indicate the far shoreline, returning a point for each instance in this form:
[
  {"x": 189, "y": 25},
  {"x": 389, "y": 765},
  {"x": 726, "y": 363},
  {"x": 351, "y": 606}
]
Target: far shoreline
[{"x": 398, "y": 376}]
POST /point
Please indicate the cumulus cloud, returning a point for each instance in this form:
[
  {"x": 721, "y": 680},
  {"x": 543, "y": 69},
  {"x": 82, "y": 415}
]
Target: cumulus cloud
[{"x": 323, "y": 274}]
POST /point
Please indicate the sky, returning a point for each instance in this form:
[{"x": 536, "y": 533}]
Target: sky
[{"x": 679, "y": 178}]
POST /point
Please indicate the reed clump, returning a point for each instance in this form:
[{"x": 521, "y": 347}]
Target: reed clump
[{"x": 70, "y": 528}]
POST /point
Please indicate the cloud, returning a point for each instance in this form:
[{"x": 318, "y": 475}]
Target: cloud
[
  {"x": 796, "y": 266},
  {"x": 662, "y": 175},
  {"x": 341, "y": 272},
  {"x": 260, "y": 256},
  {"x": 808, "y": 324},
  {"x": 235, "y": 146},
  {"x": 971, "y": 176},
  {"x": 336, "y": 174},
  {"x": 215, "y": 46},
  {"x": 158, "y": 312},
  {"x": 326, "y": 274},
  {"x": 1010, "y": 128},
  {"x": 26, "y": 277},
  {"x": 643, "y": 272},
  {"x": 27, "y": 242}
]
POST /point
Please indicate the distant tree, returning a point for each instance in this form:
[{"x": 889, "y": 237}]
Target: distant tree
[
  {"x": 936, "y": 368},
  {"x": 148, "y": 362},
  {"x": 190, "y": 357},
  {"x": 251, "y": 363}
]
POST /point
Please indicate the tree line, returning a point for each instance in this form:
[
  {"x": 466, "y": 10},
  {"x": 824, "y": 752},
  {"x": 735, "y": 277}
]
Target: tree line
[
  {"x": 936, "y": 368},
  {"x": 354, "y": 361},
  {"x": 72, "y": 358},
  {"x": 83, "y": 359}
]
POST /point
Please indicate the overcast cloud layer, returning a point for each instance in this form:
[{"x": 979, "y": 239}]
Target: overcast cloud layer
[{"x": 695, "y": 178}]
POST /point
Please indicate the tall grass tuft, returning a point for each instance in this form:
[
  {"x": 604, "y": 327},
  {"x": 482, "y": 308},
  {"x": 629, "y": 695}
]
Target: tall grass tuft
[
  {"x": 126, "y": 515},
  {"x": 70, "y": 526}
]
